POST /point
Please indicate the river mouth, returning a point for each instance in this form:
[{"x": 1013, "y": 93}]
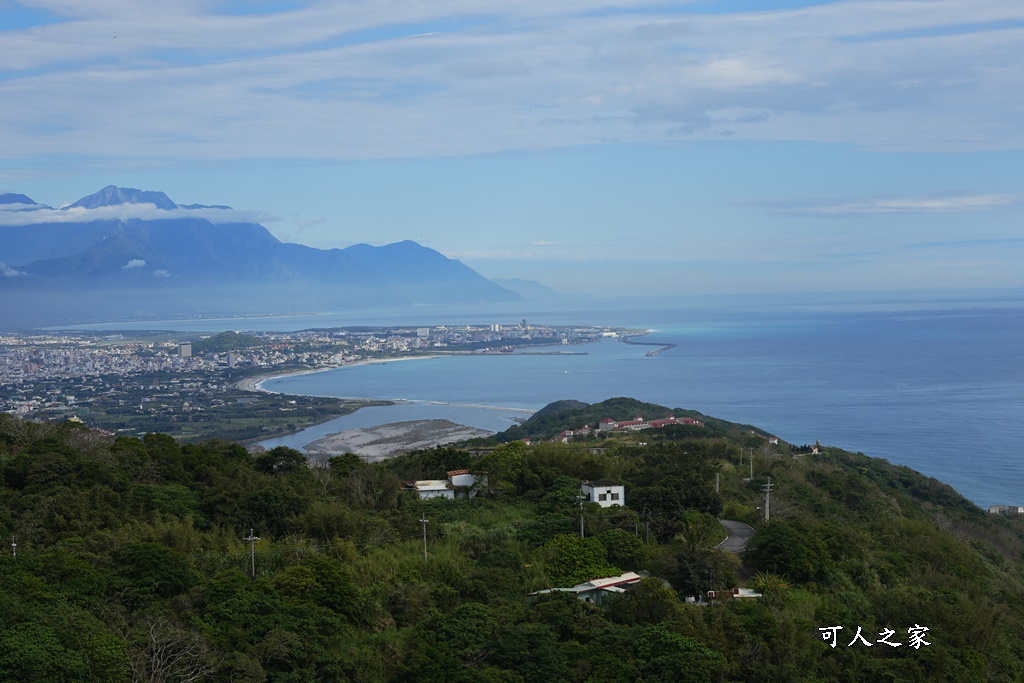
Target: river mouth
[{"x": 394, "y": 438}]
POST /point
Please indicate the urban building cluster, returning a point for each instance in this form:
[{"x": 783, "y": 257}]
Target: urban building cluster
[
  {"x": 54, "y": 373},
  {"x": 44, "y": 374}
]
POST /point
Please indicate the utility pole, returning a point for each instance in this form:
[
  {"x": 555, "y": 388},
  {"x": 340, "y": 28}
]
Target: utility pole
[
  {"x": 251, "y": 540},
  {"x": 14, "y": 547},
  {"x": 424, "y": 521},
  {"x": 767, "y": 498},
  {"x": 582, "y": 498},
  {"x": 751, "y": 465},
  {"x": 717, "y": 476}
]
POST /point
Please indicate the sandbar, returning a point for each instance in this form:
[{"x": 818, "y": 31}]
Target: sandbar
[{"x": 388, "y": 440}]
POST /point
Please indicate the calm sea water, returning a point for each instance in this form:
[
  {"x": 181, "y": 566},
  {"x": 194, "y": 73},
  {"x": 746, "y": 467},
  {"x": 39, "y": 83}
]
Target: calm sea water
[
  {"x": 937, "y": 388},
  {"x": 937, "y": 385}
]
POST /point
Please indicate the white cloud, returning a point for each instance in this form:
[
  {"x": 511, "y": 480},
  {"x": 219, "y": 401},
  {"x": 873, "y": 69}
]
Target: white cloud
[
  {"x": 7, "y": 271},
  {"x": 13, "y": 207},
  {"x": 125, "y": 212},
  {"x": 414, "y": 79},
  {"x": 887, "y": 205},
  {"x": 134, "y": 263}
]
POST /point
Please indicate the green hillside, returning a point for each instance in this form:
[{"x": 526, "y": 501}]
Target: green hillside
[
  {"x": 561, "y": 415},
  {"x": 224, "y": 342},
  {"x": 131, "y": 565}
]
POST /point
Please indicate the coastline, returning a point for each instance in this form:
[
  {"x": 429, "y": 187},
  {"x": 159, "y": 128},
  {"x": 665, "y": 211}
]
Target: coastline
[
  {"x": 387, "y": 443},
  {"x": 255, "y": 383}
]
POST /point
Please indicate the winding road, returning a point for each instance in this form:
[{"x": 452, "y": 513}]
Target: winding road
[{"x": 739, "y": 535}]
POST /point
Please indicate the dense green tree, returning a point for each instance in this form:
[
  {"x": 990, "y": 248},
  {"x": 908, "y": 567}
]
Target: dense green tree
[
  {"x": 280, "y": 460},
  {"x": 791, "y": 550},
  {"x": 532, "y": 651},
  {"x": 649, "y": 602},
  {"x": 667, "y": 657},
  {"x": 267, "y": 511},
  {"x": 504, "y": 467},
  {"x": 694, "y": 573},
  {"x": 132, "y": 547},
  {"x": 622, "y": 548},
  {"x": 153, "y": 571},
  {"x": 570, "y": 560}
]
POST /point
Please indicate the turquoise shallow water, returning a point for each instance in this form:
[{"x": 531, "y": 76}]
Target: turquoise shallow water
[{"x": 937, "y": 388}]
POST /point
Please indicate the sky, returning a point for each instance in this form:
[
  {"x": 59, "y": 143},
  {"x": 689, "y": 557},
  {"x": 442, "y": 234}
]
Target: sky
[{"x": 679, "y": 148}]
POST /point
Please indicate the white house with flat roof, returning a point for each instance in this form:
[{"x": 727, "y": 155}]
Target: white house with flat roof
[{"x": 603, "y": 492}]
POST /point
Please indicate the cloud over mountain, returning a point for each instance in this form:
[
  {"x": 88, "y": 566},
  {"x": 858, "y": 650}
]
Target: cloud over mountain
[
  {"x": 176, "y": 261},
  {"x": 122, "y": 205}
]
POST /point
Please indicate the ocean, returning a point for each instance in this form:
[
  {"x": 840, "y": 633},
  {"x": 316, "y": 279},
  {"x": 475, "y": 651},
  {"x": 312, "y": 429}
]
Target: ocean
[{"x": 934, "y": 385}]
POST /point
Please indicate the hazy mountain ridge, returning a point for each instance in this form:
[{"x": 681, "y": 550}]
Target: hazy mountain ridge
[
  {"x": 165, "y": 250},
  {"x": 14, "y": 198},
  {"x": 531, "y": 290}
]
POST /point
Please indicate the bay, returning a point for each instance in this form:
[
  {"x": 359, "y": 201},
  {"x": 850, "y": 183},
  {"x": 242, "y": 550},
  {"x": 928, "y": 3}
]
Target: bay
[{"x": 934, "y": 386}]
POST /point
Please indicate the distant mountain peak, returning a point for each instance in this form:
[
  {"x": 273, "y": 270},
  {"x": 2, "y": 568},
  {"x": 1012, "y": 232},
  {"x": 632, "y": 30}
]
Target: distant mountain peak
[
  {"x": 111, "y": 195},
  {"x": 13, "y": 198},
  {"x": 177, "y": 261}
]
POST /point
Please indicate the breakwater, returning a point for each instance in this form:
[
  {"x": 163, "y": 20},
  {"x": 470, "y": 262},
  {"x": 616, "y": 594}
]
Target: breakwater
[{"x": 664, "y": 346}]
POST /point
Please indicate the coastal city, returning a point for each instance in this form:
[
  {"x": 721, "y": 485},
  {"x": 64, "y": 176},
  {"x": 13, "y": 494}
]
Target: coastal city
[{"x": 201, "y": 386}]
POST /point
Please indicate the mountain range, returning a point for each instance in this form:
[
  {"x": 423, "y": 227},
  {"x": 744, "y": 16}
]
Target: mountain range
[{"x": 124, "y": 252}]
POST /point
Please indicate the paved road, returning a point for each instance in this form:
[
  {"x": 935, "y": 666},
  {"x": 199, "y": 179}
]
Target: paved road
[{"x": 739, "y": 534}]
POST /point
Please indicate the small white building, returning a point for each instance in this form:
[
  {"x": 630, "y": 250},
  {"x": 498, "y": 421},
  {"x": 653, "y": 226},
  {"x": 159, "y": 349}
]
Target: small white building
[
  {"x": 595, "y": 590},
  {"x": 603, "y": 492},
  {"x": 1006, "y": 509},
  {"x": 734, "y": 594},
  {"x": 467, "y": 485},
  {"x": 432, "y": 488},
  {"x": 459, "y": 484}
]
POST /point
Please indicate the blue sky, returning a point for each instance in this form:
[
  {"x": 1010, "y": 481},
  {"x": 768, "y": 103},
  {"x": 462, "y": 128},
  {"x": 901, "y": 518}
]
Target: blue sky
[{"x": 686, "y": 148}]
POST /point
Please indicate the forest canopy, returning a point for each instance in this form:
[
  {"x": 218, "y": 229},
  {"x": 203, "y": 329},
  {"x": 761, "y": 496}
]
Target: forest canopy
[{"x": 149, "y": 559}]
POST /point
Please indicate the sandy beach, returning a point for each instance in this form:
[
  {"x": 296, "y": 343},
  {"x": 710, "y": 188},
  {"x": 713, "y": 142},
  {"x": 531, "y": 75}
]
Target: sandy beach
[
  {"x": 388, "y": 440},
  {"x": 256, "y": 383}
]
